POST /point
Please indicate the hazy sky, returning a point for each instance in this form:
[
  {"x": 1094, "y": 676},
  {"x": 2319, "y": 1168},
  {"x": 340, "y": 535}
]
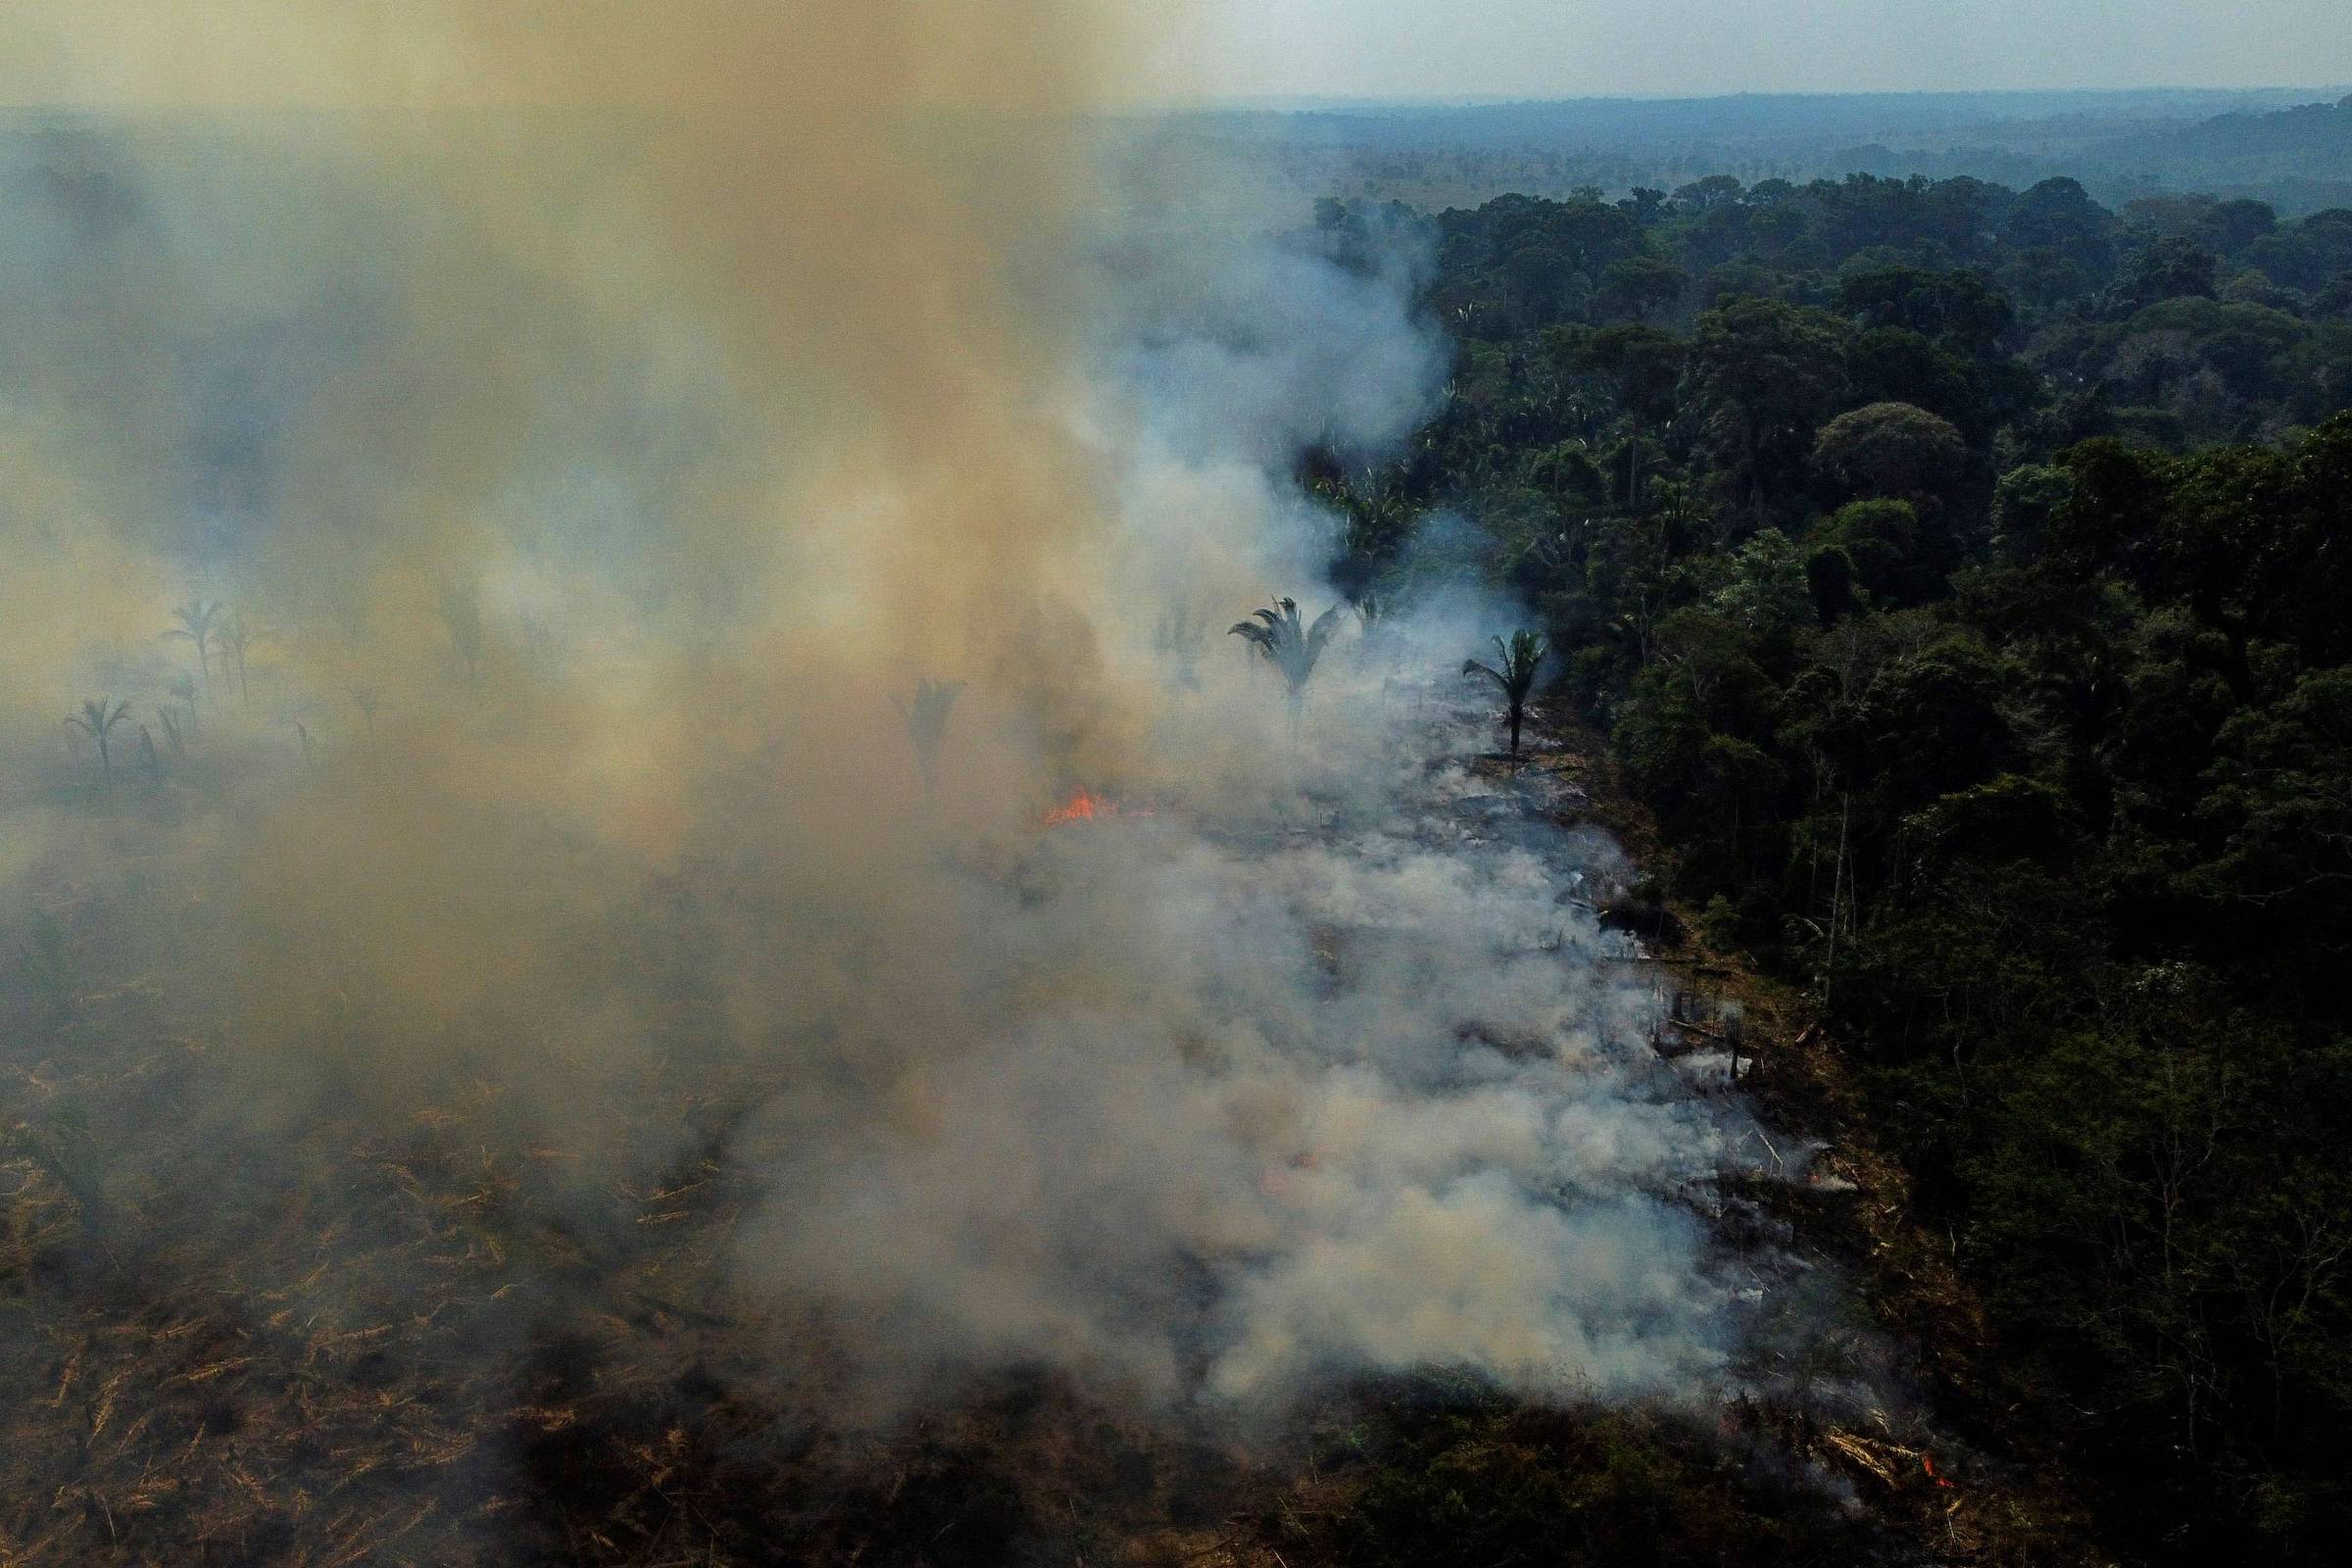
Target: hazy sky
[{"x": 1562, "y": 48}]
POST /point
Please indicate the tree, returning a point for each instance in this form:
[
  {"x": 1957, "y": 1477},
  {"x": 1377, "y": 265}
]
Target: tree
[
  {"x": 96, "y": 720},
  {"x": 2023, "y": 504},
  {"x": 1961, "y": 309},
  {"x": 1514, "y": 673},
  {"x": 1640, "y": 285},
  {"x": 236, "y": 637},
  {"x": 1768, "y": 372},
  {"x": 2168, "y": 268},
  {"x": 1643, "y": 363},
  {"x": 1891, "y": 450},
  {"x": 196, "y": 620},
  {"x": 1766, "y": 593},
  {"x": 1289, "y": 644},
  {"x": 2281, "y": 786},
  {"x": 1879, "y": 544},
  {"x": 2059, "y": 214},
  {"x": 1708, "y": 194},
  {"x": 926, "y": 718},
  {"x": 1895, "y": 364}
]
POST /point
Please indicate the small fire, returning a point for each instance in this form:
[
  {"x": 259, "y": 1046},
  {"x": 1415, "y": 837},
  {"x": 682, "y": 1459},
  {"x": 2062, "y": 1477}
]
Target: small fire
[
  {"x": 1081, "y": 807},
  {"x": 1086, "y": 807},
  {"x": 1929, "y": 1466}
]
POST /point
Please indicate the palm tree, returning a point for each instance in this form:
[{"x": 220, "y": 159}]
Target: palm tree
[
  {"x": 196, "y": 619},
  {"x": 1521, "y": 657},
  {"x": 96, "y": 719},
  {"x": 235, "y": 636},
  {"x": 368, "y": 699},
  {"x": 927, "y": 717},
  {"x": 180, "y": 743},
  {"x": 1289, "y": 644}
]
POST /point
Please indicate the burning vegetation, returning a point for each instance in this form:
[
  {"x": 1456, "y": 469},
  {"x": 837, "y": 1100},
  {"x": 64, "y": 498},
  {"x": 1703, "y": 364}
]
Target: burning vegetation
[{"x": 527, "y": 1071}]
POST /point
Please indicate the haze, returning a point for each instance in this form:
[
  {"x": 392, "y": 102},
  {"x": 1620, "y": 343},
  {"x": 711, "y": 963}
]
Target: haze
[{"x": 1637, "y": 48}]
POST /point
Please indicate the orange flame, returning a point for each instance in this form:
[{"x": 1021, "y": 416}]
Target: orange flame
[
  {"x": 1929, "y": 1466},
  {"x": 1084, "y": 807},
  {"x": 1081, "y": 807}
]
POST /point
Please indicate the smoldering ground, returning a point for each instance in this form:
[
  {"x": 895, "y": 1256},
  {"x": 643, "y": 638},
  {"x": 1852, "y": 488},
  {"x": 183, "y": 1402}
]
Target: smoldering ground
[{"x": 557, "y": 440}]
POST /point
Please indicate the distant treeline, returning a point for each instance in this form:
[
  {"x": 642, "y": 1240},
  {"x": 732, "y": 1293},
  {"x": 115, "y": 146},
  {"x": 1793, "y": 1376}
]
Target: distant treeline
[{"x": 2291, "y": 149}]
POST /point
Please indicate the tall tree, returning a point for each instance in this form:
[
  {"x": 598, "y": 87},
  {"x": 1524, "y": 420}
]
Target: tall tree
[
  {"x": 1769, "y": 374},
  {"x": 1643, "y": 363},
  {"x": 1289, "y": 644},
  {"x": 1893, "y": 450},
  {"x": 1514, "y": 674},
  {"x": 97, "y": 720},
  {"x": 237, "y": 638},
  {"x": 197, "y": 619},
  {"x": 1639, "y": 284}
]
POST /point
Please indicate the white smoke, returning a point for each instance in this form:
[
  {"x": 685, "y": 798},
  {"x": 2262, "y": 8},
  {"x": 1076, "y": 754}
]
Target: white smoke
[{"x": 1308, "y": 1072}]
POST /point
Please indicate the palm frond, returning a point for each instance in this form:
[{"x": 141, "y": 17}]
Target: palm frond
[{"x": 1325, "y": 624}]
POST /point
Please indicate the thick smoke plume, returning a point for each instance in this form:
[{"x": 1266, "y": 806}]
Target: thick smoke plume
[{"x": 599, "y": 415}]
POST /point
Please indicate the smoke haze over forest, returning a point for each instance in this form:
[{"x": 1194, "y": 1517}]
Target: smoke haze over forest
[
  {"x": 638, "y": 418},
  {"x": 847, "y": 782}
]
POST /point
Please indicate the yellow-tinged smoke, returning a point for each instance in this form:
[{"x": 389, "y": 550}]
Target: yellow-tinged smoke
[
  {"x": 607, "y": 411},
  {"x": 834, "y": 220},
  {"x": 792, "y": 276}
]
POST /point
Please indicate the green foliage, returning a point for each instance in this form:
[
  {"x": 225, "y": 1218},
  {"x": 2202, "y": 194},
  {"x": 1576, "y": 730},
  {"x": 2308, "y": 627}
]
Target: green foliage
[
  {"x": 2023, "y": 504},
  {"x": 1289, "y": 643},
  {"x": 1765, "y": 592},
  {"x": 197, "y": 619},
  {"x": 1513, "y": 673},
  {"x": 236, "y": 637},
  {"x": 1640, "y": 285},
  {"x": 97, "y": 719},
  {"x": 2043, "y": 788},
  {"x": 1768, "y": 374},
  {"x": 2069, "y": 855},
  {"x": 1891, "y": 450},
  {"x": 1886, "y": 554}
]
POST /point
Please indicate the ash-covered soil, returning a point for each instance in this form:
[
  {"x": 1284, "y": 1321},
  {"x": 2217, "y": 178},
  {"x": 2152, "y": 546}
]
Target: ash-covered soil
[{"x": 1521, "y": 1269}]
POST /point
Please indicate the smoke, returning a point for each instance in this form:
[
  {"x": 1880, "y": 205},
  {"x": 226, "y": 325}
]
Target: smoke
[{"x": 604, "y": 411}]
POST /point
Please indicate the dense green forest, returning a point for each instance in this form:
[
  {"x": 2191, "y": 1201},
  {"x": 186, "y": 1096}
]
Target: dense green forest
[{"x": 1960, "y": 575}]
